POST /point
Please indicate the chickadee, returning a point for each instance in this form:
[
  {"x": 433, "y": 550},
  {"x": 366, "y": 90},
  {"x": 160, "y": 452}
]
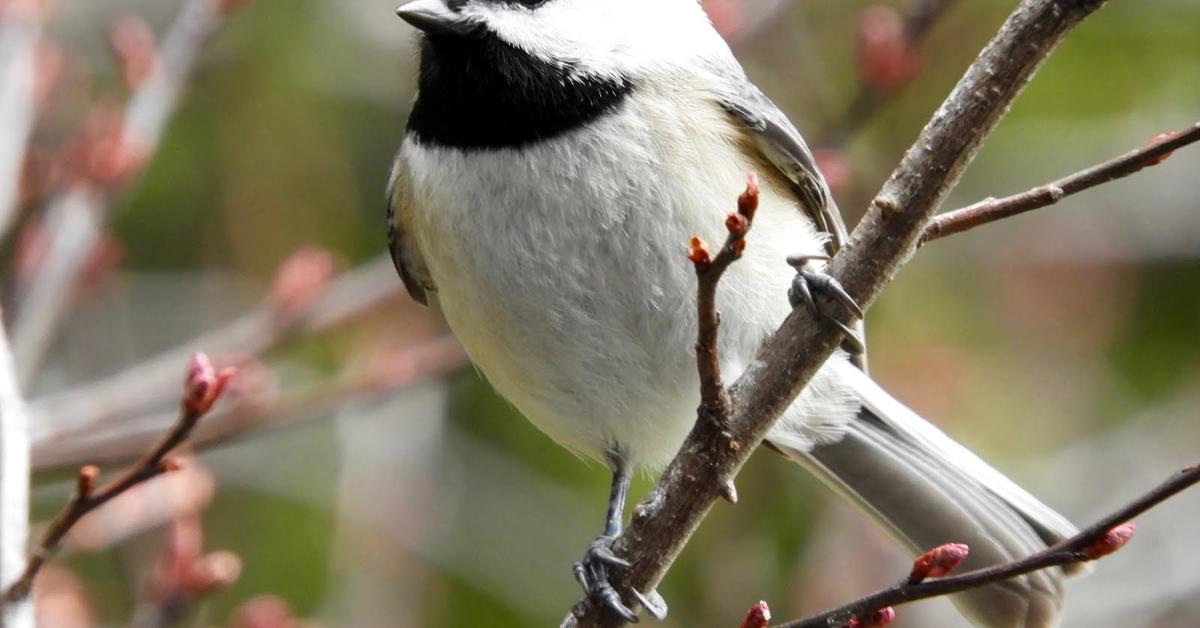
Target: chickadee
[{"x": 558, "y": 156}]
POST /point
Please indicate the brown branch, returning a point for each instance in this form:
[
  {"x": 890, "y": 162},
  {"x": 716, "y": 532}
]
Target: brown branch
[
  {"x": 1097, "y": 541},
  {"x": 714, "y": 399},
  {"x": 990, "y": 210},
  {"x": 201, "y": 388},
  {"x": 662, "y": 524}
]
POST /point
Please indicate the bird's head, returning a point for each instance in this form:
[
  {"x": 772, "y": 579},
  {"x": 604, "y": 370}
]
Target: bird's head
[{"x": 605, "y": 38}]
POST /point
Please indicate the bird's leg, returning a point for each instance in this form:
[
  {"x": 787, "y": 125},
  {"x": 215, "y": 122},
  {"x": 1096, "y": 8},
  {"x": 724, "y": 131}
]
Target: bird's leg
[
  {"x": 592, "y": 571},
  {"x": 807, "y": 284}
]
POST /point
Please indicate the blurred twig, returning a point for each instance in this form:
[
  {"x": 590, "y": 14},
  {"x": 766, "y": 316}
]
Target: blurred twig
[
  {"x": 889, "y": 49},
  {"x": 201, "y": 388},
  {"x": 21, "y": 26},
  {"x": 1095, "y": 542},
  {"x": 662, "y": 523},
  {"x": 143, "y": 387},
  {"x": 14, "y": 485},
  {"x": 989, "y": 210},
  {"x": 75, "y": 215},
  {"x": 119, "y": 442}
]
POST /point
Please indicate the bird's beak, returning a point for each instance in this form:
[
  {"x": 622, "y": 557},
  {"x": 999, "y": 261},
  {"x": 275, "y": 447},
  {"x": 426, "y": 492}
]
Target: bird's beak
[{"x": 433, "y": 16}]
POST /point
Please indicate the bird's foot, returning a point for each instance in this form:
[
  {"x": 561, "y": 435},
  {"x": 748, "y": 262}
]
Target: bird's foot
[
  {"x": 592, "y": 574},
  {"x": 808, "y": 284}
]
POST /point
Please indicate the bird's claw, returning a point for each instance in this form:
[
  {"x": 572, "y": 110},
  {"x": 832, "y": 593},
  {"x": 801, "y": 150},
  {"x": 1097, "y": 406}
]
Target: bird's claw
[
  {"x": 592, "y": 575},
  {"x": 807, "y": 284}
]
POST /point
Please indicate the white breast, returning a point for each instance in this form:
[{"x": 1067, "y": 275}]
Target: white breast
[{"x": 562, "y": 269}]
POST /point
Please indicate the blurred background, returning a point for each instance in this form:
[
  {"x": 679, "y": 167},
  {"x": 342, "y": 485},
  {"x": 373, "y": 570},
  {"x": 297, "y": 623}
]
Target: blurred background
[{"x": 361, "y": 474}]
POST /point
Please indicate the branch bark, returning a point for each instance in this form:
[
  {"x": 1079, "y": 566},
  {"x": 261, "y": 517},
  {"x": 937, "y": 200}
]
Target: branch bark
[
  {"x": 1097, "y": 541},
  {"x": 885, "y": 239},
  {"x": 202, "y": 387},
  {"x": 14, "y": 485},
  {"x": 990, "y": 210}
]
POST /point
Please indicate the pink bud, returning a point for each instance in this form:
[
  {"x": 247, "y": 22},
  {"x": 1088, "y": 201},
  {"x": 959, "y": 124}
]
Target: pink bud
[
  {"x": 203, "y": 385},
  {"x": 136, "y": 48},
  {"x": 938, "y": 562},
  {"x": 229, "y": 6},
  {"x": 210, "y": 573},
  {"x": 887, "y": 58},
  {"x": 874, "y": 620},
  {"x": 263, "y": 612},
  {"x": 1112, "y": 541},
  {"x": 302, "y": 279},
  {"x": 758, "y": 617}
]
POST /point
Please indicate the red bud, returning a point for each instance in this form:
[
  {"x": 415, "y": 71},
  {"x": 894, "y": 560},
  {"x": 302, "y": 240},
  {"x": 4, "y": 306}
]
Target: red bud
[
  {"x": 203, "y": 385},
  {"x": 874, "y": 620},
  {"x": 698, "y": 254},
  {"x": 938, "y": 562},
  {"x": 748, "y": 201},
  {"x": 1112, "y": 541},
  {"x": 758, "y": 617}
]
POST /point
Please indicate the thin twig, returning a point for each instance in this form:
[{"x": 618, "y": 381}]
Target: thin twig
[
  {"x": 143, "y": 388},
  {"x": 887, "y": 237},
  {"x": 14, "y": 484},
  {"x": 990, "y": 210},
  {"x": 714, "y": 399},
  {"x": 1090, "y": 544},
  {"x": 75, "y": 216},
  {"x": 121, "y": 441},
  {"x": 202, "y": 386}
]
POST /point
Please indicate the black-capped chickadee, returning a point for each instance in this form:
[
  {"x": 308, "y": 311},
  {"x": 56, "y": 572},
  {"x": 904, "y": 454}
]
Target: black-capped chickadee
[{"x": 558, "y": 156}]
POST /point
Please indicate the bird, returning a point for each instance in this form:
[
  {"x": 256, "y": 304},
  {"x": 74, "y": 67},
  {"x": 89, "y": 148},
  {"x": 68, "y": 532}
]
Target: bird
[{"x": 557, "y": 157}]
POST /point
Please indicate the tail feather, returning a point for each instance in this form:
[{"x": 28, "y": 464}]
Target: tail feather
[{"x": 927, "y": 490}]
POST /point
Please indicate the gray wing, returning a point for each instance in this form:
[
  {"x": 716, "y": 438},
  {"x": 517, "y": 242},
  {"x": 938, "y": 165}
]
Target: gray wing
[
  {"x": 405, "y": 254},
  {"x": 780, "y": 143}
]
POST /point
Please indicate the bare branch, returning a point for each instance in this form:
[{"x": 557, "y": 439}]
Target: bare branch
[
  {"x": 714, "y": 400},
  {"x": 75, "y": 216},
  {"x": 1105, "y": 537},
  {"x": 990, "y": 210},
  {"x": 879, "y": 247},
  {"x": 119, "y": 442},
  {"x": 202, "y": 387},
  {"x": 145, "y": 387},
  {"x": 14, "y": 484}
]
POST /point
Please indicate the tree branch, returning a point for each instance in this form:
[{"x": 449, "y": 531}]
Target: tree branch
[
  {"x": 74, "y": 218},
  {"x": 1097, "y": 541},
  {"x": 202, "y": 387},
  {"x": 879, "y": 247},
  {"x": 143, "y": 387},
  {"x": 714, "y": 399},
  {"x": 14, "y": 484},
  {"x": 990, "y": 210}
]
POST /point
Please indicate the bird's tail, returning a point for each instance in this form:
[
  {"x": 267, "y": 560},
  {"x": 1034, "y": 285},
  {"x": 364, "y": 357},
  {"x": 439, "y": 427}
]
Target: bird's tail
[{"x": 927, "y": 490}]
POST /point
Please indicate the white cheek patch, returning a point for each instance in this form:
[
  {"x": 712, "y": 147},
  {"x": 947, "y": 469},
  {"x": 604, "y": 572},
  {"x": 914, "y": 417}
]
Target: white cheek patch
[{"x": 610, "y": 38}]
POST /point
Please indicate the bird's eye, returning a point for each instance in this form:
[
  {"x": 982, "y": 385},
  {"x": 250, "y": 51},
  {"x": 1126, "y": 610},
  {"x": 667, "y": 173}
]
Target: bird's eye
[{"x": 532, "y": 4}]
